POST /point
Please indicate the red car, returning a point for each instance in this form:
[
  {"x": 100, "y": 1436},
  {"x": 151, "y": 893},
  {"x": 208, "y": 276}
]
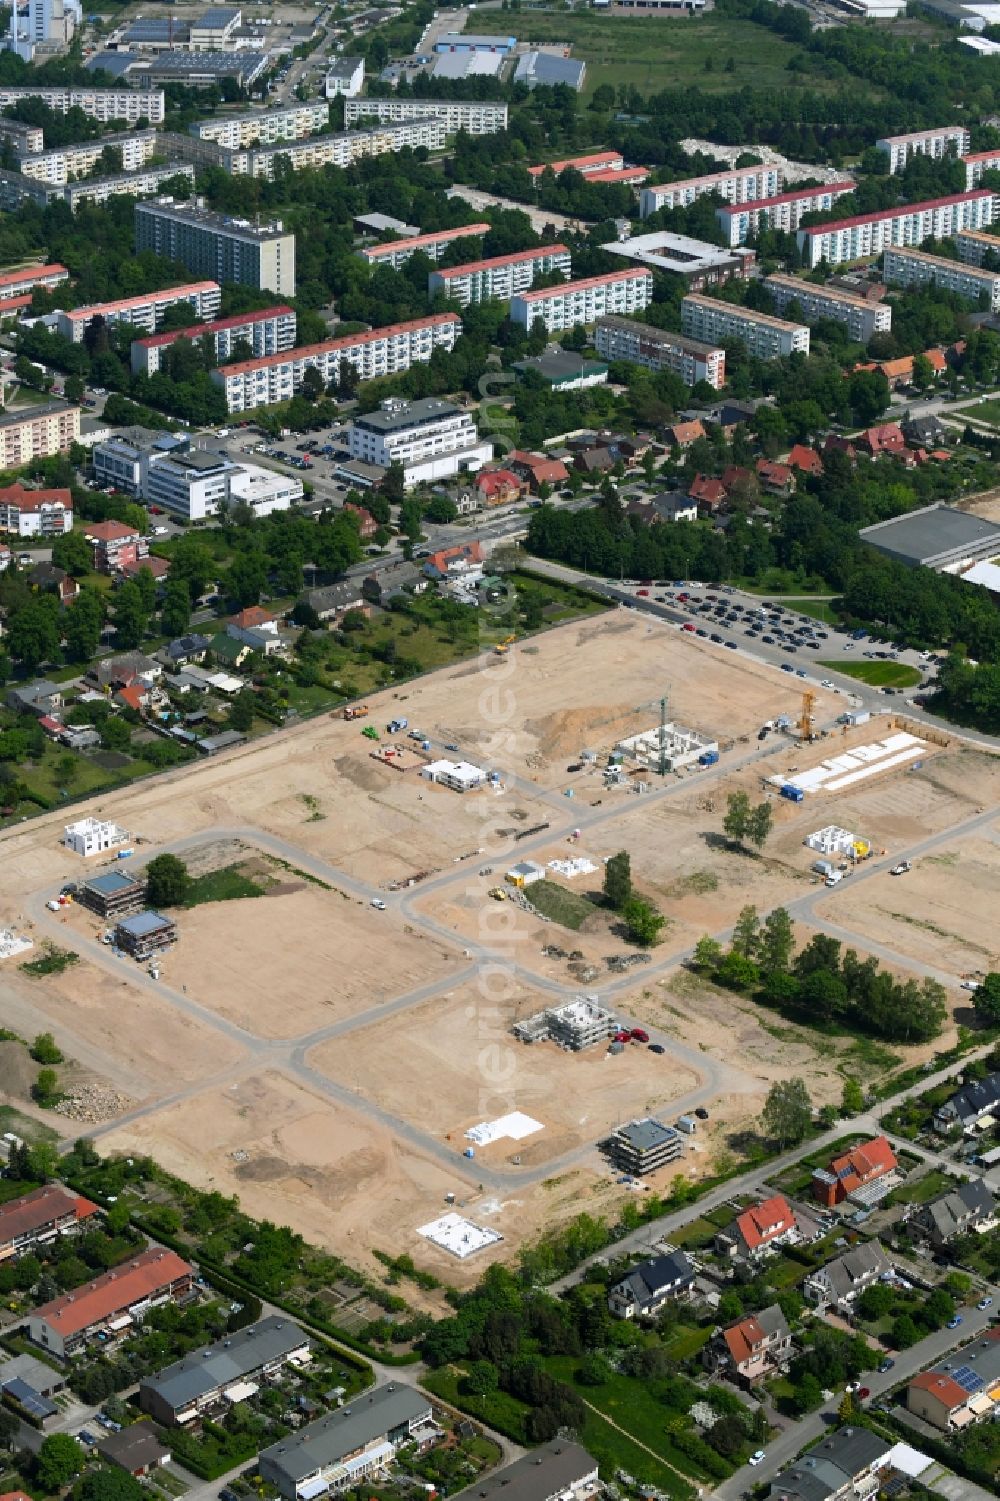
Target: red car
[
  {"x": 639, "y": 1035},
  {"x": 687, "y": 627},
  {"x": 642, "y": 591}
]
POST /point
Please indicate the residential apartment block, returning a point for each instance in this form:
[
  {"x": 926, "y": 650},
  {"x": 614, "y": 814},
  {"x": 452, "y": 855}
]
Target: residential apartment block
[
  {"x": 113, "y": 1302},
  {"x": 503, "y": 276},
  {"x": 35, "y": 513},
  {"x": 974, "y": 246},
  {"x": 376, "y": 352},
  {"x": 584, "y": 301},
  {"x": 764, "y": 336},
  {"x": 339, "y": 150},
  {"x": 915, "y": 268},
  {"x": 59, "y": 166},
  {"x": 736, "y": 185},
  {"x": 143, "y": 312},
  {"x": 116, "y": 545},
  {"x": 556, "y": 1471},
  {"x": 266, "y": 331},
  {"x": 192, "y": 1387},
  {"x": 860, "y": 317},
  {"x": 396, "y": 253},
  {"x": 131, "y": 105},
  {"x": 867, "y": 235},
  {"x": 22, "y": 283},
  {"x": 783, "y": 211},
  {"x": 264, "y": 126},
  {"x": 216, "y": 245},
  {"x": 37, "y": 433},
  {"x": 348, "y": 1447},
  {"x": 946, "y": 140},
  {"x": 39, "y": 1218},
  {"x": 658, "y": 349},
  {"x": 431, "y": 439},
  {"x": 977, "y": 163},
  {"x": 139, "y": 184},
  {"x": 477, "y": 117},
  {"x": 643, "y": 1146},
  {"x": 23, "y": 139}
]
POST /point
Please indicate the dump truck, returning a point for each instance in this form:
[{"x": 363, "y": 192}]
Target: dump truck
[
  {"x": 355, "y": 711},
  {"x": 498, "y": 894},
  {"x": 794, "y": 794}
]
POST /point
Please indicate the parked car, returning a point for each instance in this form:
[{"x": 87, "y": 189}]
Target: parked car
[
  {"x": 756, "y": 1457},
  {"x": 984, "y": 1303},
  {"x": 886, "y": 1365},
  {"x": 954, "y": 1323}
]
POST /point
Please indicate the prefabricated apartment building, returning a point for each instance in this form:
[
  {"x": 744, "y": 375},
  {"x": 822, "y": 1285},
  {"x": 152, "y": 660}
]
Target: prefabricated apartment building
[{"x": 582, "y": 1023}]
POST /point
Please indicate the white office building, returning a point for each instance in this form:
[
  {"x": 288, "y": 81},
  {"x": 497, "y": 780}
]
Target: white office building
[
  {"x": 762, "y": 335},
  {"x": 914, "y": 268},
  {"x": 660, "y": 349},
  {"x": 265, "y": 330},
  {"x": 945, "y": 140},
  {"x": 475, "y": 116},
  {"x": 262, "y": 127},
  {"x": 783, "y": 212},
  {"x": 585, "y": 301},
  {"x": 867, "y": 235},
  {"x": 376, "y": 352},
  {"x": 502, "y": 276},
  {"x": 396, "y": 253},
  {"x": 736, "y": 185},
  {"x": 431, "y": 439},
  {"x": 34, "y": 24},
  {"x": 143, "y": 312},
  {"x": 346, "y": 75},
  {"x": 59, "y": 166},
  {"x": 860, "y": 317},
  {"x": 130, "y": 105}
]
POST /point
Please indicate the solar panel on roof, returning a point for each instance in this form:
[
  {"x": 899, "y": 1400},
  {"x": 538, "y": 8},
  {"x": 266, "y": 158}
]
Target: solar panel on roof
[
  {"x": 26, "y": 1396},
  {"x": 968, "y": 1379}
]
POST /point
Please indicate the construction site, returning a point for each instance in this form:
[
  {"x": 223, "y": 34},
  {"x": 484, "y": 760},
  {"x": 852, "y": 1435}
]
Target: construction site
[{"x": 363, "y": 1015}]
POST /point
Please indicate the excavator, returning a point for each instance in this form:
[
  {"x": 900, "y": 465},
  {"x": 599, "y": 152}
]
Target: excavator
[{"x": 501, "y": 647}]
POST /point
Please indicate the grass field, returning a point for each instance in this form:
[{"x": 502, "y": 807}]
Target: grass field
[
  {"x": 562, "y": 906},
  {"x": 817, "y": 609},
  {"x": 878, "y": 674},
  {"x": 985, "y": 411},
  {"x": 226, "y": 885},
  {"x": 25, "y": 1126},
  {"x": 714, "y": 53}
]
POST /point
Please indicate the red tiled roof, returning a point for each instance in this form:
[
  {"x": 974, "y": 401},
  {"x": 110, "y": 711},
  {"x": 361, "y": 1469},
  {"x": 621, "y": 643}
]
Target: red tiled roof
[
  {"x": 496, "y": 479},
  {"x": 704, "y": 487},
  {"x": 870, "y": 1160},
  {"x": 597, "y": 159},
  {"x": 218, "y": 325},
  {"x": 149, "y": 1273},
  {"x": 123, "y": 304},
  {"x": 414, "y": 242},
  {"x": 740, "y": 1339},
  {"x": 686, "y": 432},
  {"x": 349, "y": 341},
  {"x": 762, "y": 1222},
  {"x": 620, "y": 174},
  {"x": 254, "y": 615},
  {"x": 543, "y": 470},
  {"x": 981, "y": 156},
  {"x": 32, "y": 275},
  {"x": 805, "y": 459},
  {"x": 496, "y": 261},
  {"x": 778, "y": 474},
  {"x": 942, "y": 1387},
  {"x": 109, "y": 531},
  {"x": 899, "y": 212},
  {"x": 33, "y": 500},
  {"x": 158, "y": 567},
  {"x": 40, "y": 1207},
  {"x": 132, "y": 696},
  {"x": 844, "y": 186}
]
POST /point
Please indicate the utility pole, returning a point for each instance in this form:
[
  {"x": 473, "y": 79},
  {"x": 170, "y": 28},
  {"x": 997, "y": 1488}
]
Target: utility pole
[{"x": 663, "y": 736}]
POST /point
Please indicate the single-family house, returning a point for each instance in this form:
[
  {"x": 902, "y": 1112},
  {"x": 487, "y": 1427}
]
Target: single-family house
[
  {"x": 844, "y": 1466},
  {"x": 776, "y": 479},
  {"x": 332, "y": 601},
  {"x": 402, "y": 578},
  {"x": 708, "y": 493},
  {"x": 227, "y": 651},
  {"x": 136, "y": 696},
  {"x": 450, "y": 562},
  {"x": 499, "y": 487},
  {"x": 367, "y": 525},
  {"x": 752, "y": 1349},
  {"x": 968, "y": 1208},
  {"x": 184, "y": 649},
  {"x": 840, "y": 1283},
  {"x": 804, "y": 460},
  {"x": 674, "y": 506},
  {"x": 41, "y": 698},
  {"x": 257, "y": 628},
  {"x": 136, "y": 1448},
  {"x": 835, "y": 443},
  {"x": 882, "y": 441},
  {"x": 49, "y": 578},
  {"x": 973, "y": 1107},
  {"x": 962, "y": 1389},
  {"x": 598, "y": 459},
  {"x": 643, "y": 1291},
  {"x": 924, "y": 431},
  {"x": 116, "y": 672},
  {"x": 865, "y": 1175},
  {"x": 536, "y": 469},
  {"x": 683, "y": 434},
  {"x": 758, "y": 1229}
]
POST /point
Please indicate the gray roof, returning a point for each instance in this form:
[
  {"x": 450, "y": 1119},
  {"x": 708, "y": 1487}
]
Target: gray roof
[
  {"x": 561, "y": 364},
  {"x": 229, "y": 1360},
  {"x": 112, "y": 882},
  {"x": 23, "y": 414},
  {"x": 546, "y": 68},
  {"x": 136, "y": 1446},
  {"x": 649, "y": 1278},
  {"x": 855, "y": 1267},
  {"x": 953, "y": 1211},
  {"x": 338, "y": 1434},
  {"x": 34, "y": 1373},
  {"x": 410, "y": 414},
  {"x": 831, "y": 1464},
  {"x": 934, "y": 535},
  {"x": 143, "y": 924},
  {"x": 974, "y": 1100},
  {"x": 644, "y": 1135},
  {"x": 549, "y": 1470},
  {"x": 343, "y": 67}
]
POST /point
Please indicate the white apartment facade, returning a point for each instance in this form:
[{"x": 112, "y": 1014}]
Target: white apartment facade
[
  {"x": 974, "y": 246},
  {"x": 396, "y": 253},
  {"x": 431, "y": 439},
  {"x": 737, "y": 185},
  {"x": 659, "y": 349},
  {"x": 143, "y": 312},
  {"x": 914, "y": 268},
  {"x": 137, "y": 184},
  {"x": 264, "y": 127},
  {"x": 376, "y": 352},
  {"x": 37, "y": 433},
  {"x": 764, "y": 336},
  {"x": 93, "y": 836},
  {"x": 267, "y": 331},
  {"x": 346, "y": 76},
  {"x": 621, "y": 292},
  {"x": 21, "y": 283},
  {"x": 131, "y": 105},
  {"x": 35, "y": 513},
  {"x": 944, "y": 140},
  {"x": 977, "y": 163},
  {"x": 61, "y": 166},
  {"x": 502, "y": 276},
  {"x": 860, "y": 317},
  {"x": 782, "y": 212},
  {"x": 475, "y": 116},
  {"x": 867, "y": 235}
]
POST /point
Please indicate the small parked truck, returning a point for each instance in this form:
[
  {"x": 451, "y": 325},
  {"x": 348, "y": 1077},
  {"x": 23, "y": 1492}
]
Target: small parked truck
[
  {"x": 395, "y": 725},
  {"x": 355, "y": 711}
]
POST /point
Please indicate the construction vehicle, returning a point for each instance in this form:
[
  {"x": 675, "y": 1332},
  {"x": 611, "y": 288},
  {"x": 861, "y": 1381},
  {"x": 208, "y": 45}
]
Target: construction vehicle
[
  {"x": 502, "y": 646},
  {"x": 395, "y": 725},
  {"x": 498, "y": 894},
  {"x": 903, "y": 868},
  {"x": 356, "y": 711}
]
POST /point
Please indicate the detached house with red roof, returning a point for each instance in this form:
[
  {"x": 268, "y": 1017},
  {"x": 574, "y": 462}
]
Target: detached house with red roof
[
  {"x": 708, "y": 493},
  {"x": 865, "y": 1174},
  {"x": 752, "y": 1349},
  {"x": 683, "y": 434},
  {"x": 963, "y": 1389},
  {"x": 776, "y": 479},
  {"x": 499, "y": 487},
  {"x": 536, "y": 469},
  {"x": 877, "y": 442},
  {"x": 760, "y": 1228},
  {"x": 112, "y": 1303},
  {"x": 39, "y": 1218},
  {"x": 804, "y": 460}
]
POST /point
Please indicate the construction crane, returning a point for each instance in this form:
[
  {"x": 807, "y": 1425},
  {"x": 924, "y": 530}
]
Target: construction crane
[
  {"x": 806, "y": 717},
  {"x": 662, "y": 767}
]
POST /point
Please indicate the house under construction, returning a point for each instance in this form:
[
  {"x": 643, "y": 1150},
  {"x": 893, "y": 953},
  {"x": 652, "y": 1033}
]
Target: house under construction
[
  {"x": 672, "y": 743},
  {"x": 577, "y": 1025}
]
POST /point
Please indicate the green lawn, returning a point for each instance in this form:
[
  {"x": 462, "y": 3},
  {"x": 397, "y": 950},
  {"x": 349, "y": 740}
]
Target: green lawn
[
  {"x": 562, "y": 906},
  {"x": 878, "y": 674},
  {"x": 24, "y": 1126},
  {"x": 922, "y": 1190},
  {"x": 225, "y": 885},
  {"x": 986, "y": 411},
  {"x": 714, "y": 53},
  {"x": 818, "y": 609}
]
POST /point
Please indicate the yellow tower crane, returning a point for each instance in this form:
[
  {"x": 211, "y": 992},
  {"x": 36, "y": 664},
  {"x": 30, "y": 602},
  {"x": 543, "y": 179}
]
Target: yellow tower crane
[{"x": 806, "y": 717}]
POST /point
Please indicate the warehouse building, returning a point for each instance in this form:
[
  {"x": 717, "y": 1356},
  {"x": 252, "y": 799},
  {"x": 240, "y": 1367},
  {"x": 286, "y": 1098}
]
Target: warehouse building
[
  {"x": 945, "y": 140},
  {"x": 915, "y": 268},
  {"x": 643, "y": 1146},
  {"x": 583, "y": 301},
  {"x": 376, "y": 352},
  {"x": 143, "y": 312},
  {"x": 764, "y": 336},
  {"x": 659, "y": 349},
  {"x": 348, "y": 1447},
  {"x": 111, "y": 1304},
  {"x": 781, "y": 212},
  {"x": 860, "y": 317},
  {"x": 217, "y": 245},
  {"x": 105, "y": 105},
  {"x": 266, "y": 330},
  {"x": 936, "y": 536},
  {"x": 502, "y": 276},
  {"x": 867, "y": 235},
  {"x": 476, "y": 117},
  {"x": 396, "y": 253},
  {"x": 736, "y": 185},
  {"x": 224, "y": 1372}
]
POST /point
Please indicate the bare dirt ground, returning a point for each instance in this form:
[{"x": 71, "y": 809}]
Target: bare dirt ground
[{"x": 452, "y": 1063}]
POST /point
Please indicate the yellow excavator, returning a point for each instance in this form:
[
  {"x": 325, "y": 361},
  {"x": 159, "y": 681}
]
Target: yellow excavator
[{"x": 501, "y": 647}]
